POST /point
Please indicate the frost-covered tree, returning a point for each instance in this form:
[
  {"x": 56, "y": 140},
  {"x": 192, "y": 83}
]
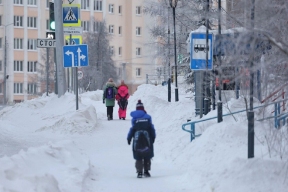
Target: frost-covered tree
[
  {"x": 41, "y": 68},
  {"x": 101, "y": 66},
  {"x": 190, "y": 15}
]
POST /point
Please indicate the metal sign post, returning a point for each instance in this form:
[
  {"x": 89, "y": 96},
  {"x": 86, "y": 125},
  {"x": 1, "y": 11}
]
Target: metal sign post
[
  {"x": 201, "y": 55},
  {"x": 75, "y": 56},
  {"x": 72, "y": 25},
  {"x": 47, "y": 43},
  {"x": 47, "y": 70}
]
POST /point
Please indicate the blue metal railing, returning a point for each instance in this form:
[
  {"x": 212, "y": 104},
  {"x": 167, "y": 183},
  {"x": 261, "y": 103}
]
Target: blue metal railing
[{"x": 277, "y": 117}]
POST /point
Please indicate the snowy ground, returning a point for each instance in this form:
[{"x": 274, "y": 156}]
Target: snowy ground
[{"x": 46, "y": 145}]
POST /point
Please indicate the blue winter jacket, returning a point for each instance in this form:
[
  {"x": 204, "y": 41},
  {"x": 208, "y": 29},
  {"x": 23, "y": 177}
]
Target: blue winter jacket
[{"x": 141, "y": 114}]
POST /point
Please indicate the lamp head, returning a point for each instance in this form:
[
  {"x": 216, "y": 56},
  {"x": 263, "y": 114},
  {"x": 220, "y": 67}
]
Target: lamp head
[{"x": 173, "y": 3}]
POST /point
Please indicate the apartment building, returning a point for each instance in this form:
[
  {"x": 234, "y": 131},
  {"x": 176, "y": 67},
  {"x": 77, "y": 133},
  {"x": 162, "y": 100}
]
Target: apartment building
[
  {"x": 23, "y": 21},
  {"x": 130, "y": 43}
]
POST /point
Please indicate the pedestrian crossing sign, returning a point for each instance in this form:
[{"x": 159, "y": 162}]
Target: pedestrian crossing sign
[
  {"x": 71, "y": 15},
  {"x": 76, "y": 39}
]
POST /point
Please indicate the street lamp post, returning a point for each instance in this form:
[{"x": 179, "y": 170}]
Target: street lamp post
[
  {"x": 173, "y": 5},
  {"x": 169, "y": 69},
  {"x": 5, "y": 64},
  {"x": 251, "y": 112},
  {"x": 219, "y": 104}
]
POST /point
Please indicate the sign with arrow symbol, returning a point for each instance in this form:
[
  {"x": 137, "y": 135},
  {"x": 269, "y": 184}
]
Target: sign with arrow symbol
[{"x": 75, "y": 55}]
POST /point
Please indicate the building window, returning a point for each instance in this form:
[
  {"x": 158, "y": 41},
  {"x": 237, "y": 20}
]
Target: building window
[
  {"x": 32, "y": 44},
  {"x": 18, "y": 43},
  {"x": 111, "y": 48},
  {"x": 32, "y": 22},
  {"x": 18, "y": 65},
  {"x": 138, "y": 72},
  {"x": 138, "y": 51},
  {"x": 96, "y": 26},
  {"x": 120, "y": 9},
  {"x": 85, "y": 25},
  {"x": 18, "y": 87},
  {"x": 1, "y": 66},
  {"x": 120, "y": 30},
  {"x": 98, "y": 5},
  {"x": 120, "y": 51},
  {"x": 31, "y": 66},
  {"x": 0, "y": 1},
  {"x": 32, "y": 2},
  {"x": 32, "y": 88},
  {"x": 1, "y": 89},
  {"x": 47, "y": 3},
  {"x": 111, "y": 29},
  {"x": 0, "y": 19},
  {"x": 19, "y": 2},
  {"x": 18, "y": 21},
  {"x": 1, "y": 43},
  {"x": 138, "y": 30},
  {"x": 84, "y": 4},
  {"x": 111, "y": 8},
  {"x": 138, "y": 10}
]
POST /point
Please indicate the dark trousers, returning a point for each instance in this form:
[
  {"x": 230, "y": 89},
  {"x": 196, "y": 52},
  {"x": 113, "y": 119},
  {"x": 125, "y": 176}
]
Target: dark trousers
[
  {"x": 144, "y": 163},
  {"x": 110, "y": 111}
]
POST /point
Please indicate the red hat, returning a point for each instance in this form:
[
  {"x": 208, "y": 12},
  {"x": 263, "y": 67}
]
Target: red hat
[{"x": 139, "y": 105}]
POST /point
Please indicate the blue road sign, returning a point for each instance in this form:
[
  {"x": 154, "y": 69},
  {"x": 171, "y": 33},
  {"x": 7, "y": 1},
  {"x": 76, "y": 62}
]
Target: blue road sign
[
  {"x": 70, "y": 15},
  {"x": 75, "y": 55},
  {"x": 198, "y": 51}
]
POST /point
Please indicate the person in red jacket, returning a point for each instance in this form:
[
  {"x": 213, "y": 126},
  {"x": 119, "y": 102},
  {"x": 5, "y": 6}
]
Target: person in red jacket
[{"x": 122, "y": 98}]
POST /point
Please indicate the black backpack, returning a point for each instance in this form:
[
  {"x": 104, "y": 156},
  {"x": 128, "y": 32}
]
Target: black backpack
[
  {"x": 142, "y": 141},
  {"x": 123, "y": 102}
]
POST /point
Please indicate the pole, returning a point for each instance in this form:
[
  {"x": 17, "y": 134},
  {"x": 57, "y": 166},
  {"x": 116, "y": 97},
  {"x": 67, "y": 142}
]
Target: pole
[
  {"x": 47, "y": 70},
  {"x": 76, "y": 86},
  {"x": 61, "y": 81},
  {"x": 123, "y": 71},
  {"x": 169, "y": 67},
  {"x": 251, "y": 112},
  {"x": 56, "y": 76},
  {"x": 219, "y": 104},
  {"x": 5, "y": 68},
  {"x": 70, "y": 43},
  {"x": 175, "y": 58},
  {"x": 206, "y": 101}
]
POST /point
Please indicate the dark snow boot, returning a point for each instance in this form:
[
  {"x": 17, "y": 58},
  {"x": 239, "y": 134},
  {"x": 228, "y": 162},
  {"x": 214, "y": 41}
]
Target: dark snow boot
[
  {"x": 123, "y": 118},
  {"x": 147, "y": 174},
  {"x": 140, "y": 174}
]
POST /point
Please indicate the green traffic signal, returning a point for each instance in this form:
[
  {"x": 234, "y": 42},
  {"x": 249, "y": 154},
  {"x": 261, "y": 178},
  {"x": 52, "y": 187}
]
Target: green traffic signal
[
  {"x": 52, "y": 25},
  {"x": 51, "y": 16}
]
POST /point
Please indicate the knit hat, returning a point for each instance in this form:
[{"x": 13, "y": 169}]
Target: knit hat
[
  {"x": 110, "y": 80},
  {"x": 139, "y": 105}
]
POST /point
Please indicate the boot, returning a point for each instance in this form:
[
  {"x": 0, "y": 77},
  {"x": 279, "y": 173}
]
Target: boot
[
  {"x": 140, "y": 174},
  {"x": 147, "y": 174}
]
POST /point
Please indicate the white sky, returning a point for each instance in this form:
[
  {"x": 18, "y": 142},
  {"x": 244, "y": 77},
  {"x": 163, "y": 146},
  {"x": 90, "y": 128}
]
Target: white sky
[{"x": 48, "y": 146}]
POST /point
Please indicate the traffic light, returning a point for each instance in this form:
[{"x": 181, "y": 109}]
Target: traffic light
[
  {"x": 51, "y": 16},
  {"x": 50, "y": 35}
]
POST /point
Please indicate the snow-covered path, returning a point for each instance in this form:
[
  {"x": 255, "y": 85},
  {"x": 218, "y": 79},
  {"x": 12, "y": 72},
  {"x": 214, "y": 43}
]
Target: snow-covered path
[
  {"x": 114, "y": 164},
  {"x": 48, "y": 146}
]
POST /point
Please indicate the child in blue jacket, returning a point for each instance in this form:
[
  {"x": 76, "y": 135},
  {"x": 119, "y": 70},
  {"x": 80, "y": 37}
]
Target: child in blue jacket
[{"x": 142, "y": 123}]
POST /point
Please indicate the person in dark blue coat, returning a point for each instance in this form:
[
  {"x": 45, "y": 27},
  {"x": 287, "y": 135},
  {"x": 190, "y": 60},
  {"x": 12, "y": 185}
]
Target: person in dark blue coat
[{"x": 142, "y": 123}]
